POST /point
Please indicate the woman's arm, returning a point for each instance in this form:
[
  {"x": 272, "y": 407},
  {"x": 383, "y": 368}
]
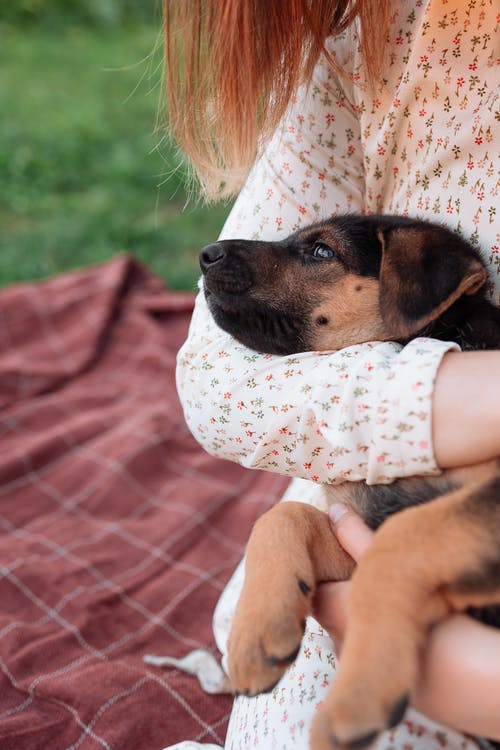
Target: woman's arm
[
  {"x": 466, "y": 409},
  {"x": 363, "y": 413},
  {"x": 460, "y": 677},
  {"x": 360, "y": 413}
]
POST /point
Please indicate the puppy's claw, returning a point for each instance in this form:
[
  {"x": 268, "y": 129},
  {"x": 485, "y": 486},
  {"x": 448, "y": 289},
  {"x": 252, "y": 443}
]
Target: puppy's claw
[
  {"x": 398, "y": 711},
  {"x": 304, "y": 587}
]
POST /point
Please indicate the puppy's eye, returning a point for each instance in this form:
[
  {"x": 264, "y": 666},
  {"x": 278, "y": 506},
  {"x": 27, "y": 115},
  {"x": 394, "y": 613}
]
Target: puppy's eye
[{"x": 321, "y": 251}]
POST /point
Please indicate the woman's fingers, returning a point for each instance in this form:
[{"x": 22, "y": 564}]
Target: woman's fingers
[
  {"x": 351, "y": 531},
  {"x": 330, "y": 601}
]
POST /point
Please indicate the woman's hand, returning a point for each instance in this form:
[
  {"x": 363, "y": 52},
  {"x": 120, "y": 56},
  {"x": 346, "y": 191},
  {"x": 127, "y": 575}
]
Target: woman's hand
[
  {"x": 330, "y": 604},
  {"x": 460, "y": 676}
]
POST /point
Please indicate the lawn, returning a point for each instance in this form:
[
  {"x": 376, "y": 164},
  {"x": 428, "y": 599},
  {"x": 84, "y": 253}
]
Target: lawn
[{"x": 86, "y": 171}]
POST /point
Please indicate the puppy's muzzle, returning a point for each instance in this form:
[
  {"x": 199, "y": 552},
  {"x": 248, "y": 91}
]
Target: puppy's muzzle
[{"x": 225, "y": 269}]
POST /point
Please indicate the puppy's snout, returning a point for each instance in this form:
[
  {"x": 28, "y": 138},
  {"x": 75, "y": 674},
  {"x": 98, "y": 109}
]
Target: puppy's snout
[
  {"x": 225, "y": 267},
  {"x": 211, "y": 255}
]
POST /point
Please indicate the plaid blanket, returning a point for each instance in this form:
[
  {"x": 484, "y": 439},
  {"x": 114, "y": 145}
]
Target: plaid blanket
[{"x": 117, "y": 531}]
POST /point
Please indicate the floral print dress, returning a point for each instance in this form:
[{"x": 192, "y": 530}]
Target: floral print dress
[{"x": 423, "y": 144}]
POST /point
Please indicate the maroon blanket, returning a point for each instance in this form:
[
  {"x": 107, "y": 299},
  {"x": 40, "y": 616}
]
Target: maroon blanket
[{"x": 117, "y": 532}]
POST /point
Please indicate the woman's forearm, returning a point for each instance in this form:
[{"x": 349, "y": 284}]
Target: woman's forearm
[
  {"x": 460, "y": 677},
  {"x": 360, "y": 413},
  {"x": 466, "y": 408}
]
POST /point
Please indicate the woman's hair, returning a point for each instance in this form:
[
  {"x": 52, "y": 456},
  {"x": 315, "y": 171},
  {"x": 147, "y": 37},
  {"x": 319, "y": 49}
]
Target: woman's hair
[{"x": 233, "y": 67}]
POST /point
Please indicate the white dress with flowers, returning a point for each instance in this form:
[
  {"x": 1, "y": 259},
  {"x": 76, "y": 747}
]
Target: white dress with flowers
[{"x": 422, "y": 145}]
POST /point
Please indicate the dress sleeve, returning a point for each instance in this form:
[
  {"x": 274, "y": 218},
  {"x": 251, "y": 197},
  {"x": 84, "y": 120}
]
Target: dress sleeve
[{"x": 363, "y": 413}]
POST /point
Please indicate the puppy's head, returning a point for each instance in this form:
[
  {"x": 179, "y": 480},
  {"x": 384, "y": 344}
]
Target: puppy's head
[{"x": 342, "y": 281}]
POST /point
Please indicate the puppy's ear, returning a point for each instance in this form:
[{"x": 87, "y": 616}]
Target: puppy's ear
[{"x": 424, "y": 270}]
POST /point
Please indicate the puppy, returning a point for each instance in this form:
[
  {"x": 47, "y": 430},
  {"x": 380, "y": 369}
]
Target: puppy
[{"x": 340, "y": 282}]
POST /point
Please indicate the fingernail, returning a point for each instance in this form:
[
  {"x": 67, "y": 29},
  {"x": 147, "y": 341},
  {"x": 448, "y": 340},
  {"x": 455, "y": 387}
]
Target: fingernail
[{"x": 336, "y": 511}]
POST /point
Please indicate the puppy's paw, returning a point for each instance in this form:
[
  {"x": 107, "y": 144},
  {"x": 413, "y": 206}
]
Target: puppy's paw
[
  {"x": 342, "y": 723},
  {"x": 371, "y": 690},
  {"x": 291, "y": 548},
  {"x": 266, "y": 634}
]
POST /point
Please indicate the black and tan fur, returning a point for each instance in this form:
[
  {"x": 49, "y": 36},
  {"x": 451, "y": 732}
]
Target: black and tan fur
[{"x": 340, "y": 282}]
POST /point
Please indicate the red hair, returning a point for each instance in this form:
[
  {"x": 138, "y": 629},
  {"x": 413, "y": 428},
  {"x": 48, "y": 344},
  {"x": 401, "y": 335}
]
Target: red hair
[{"x": 233, "y": 66}]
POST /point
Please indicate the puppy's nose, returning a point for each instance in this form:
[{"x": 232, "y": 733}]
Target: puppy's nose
[{"x": 211, "y": 254}]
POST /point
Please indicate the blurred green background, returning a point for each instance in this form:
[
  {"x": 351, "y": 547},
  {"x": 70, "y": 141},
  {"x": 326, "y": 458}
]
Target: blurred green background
[{"x": 86, "y": 168}]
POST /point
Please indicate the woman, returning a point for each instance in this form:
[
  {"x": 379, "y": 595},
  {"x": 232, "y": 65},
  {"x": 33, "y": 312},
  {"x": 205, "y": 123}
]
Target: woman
[{"x": 395, "y": 114}]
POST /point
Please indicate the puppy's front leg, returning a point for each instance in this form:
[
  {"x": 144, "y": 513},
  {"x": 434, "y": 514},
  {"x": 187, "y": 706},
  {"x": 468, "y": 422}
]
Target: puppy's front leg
[
  {"x": 291, "y": 549},
  {"x": 424, "y": 563}
]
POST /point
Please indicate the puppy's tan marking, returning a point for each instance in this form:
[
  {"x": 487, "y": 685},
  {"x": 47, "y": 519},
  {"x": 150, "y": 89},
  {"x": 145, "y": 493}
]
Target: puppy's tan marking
[{"x": 351, "y": 315}]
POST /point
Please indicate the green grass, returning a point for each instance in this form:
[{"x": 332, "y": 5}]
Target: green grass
[{"x": 83, "y": 174}]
